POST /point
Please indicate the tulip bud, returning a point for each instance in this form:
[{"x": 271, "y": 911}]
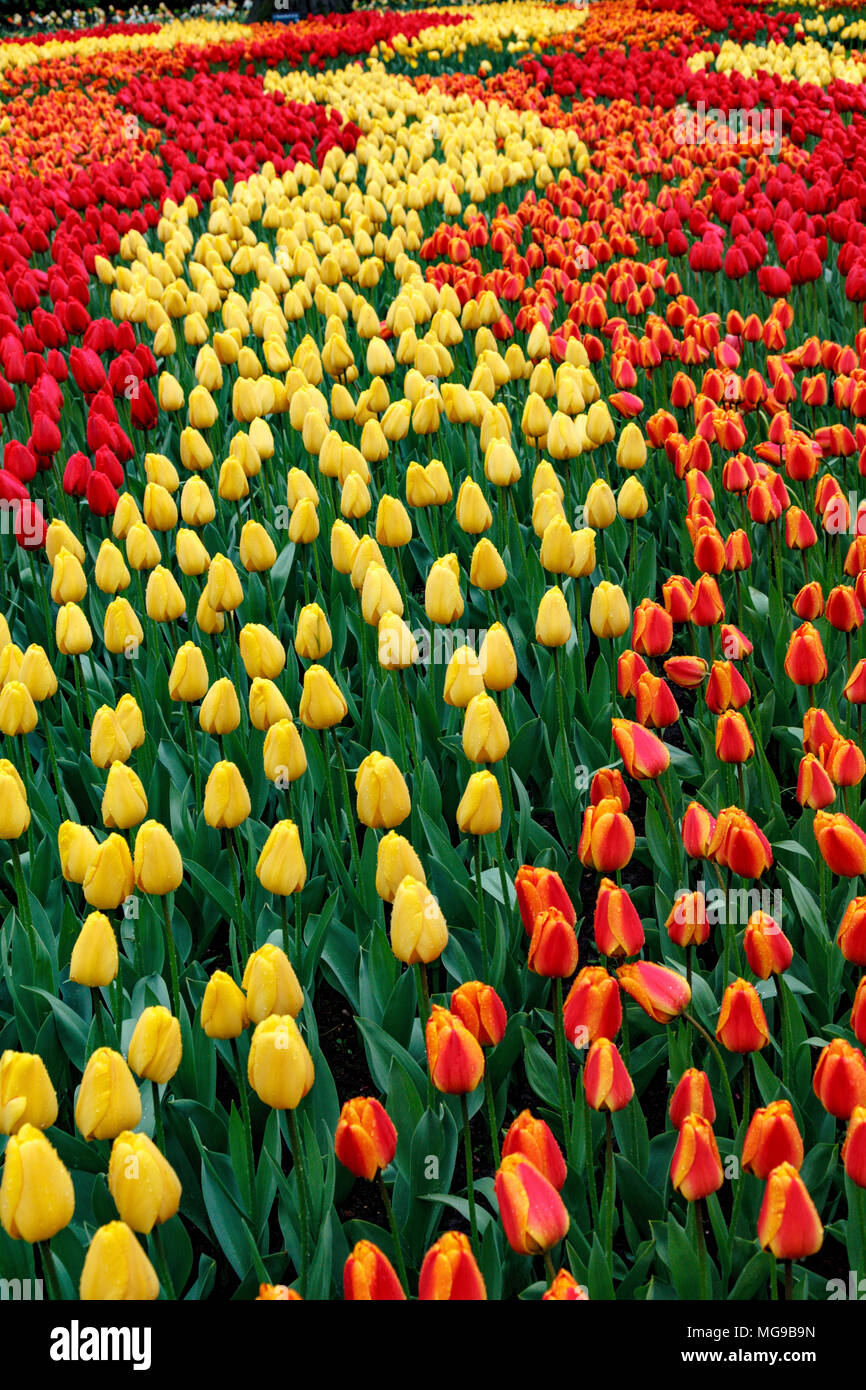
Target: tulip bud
[
  {"x": 108, "y": 1098},
  {"x": 606, "y": 1083},
  {"x": 616, "y": 925},
  {"x": 480, "y": 808},
  {"x": 449, "y": 1272},
  {"x": 662, "y": 993},
  {"x": 261, "y": 651},
  {"x": 643, "y": 754},
  {"x": 607, "y": 837},
  {"x": 280, "y": 867},
  {"x": 322, "y": 702},
  {"x": 851, "y": 936},
  {"x": 854, "y": 1148},
  {"x": 687, "y": 923},
  {"x": 77, "y": 845},
  {"x": 788, "y": 1222},
  {"x": 271, "y": 985},
  {"x": 109, "y": 878},
  {"x": 454, "y": 1057},
  {"x": 742, "y": 1026},
  {"x": 37, "y": 674},
  {"x": 368, "y": 1276},
  {"x": 145, "y": 1187},
  {"x": 312, "y": 635},
  {"x": 188, "y": 680},
  {"x": 27, "y": 1096},
  {"x": 94, "y": 955},
  {"x": 772, "y": 1138},
  {"x": 533, "y": 1214},
  {"x": 553, "y": 620},
  {"x": 692, "y": 1096},
  {"x": 223, "y": 1007},
  {"x": 72, "y": 631},
  {"x": 37, "y": 1198},
  {"x": 534, "y": 1139},
  {"x": 418, "y": 928},
  {"x": 226, "y": 799},
  {"x": 592, "y": 1008},
  {"x": 155, "y": 1046},
  {"x": 841, "y": 842},
  {"x": 486, "y": 570},
  {"x": 116, "y": 1268},
  {"x": 157, "y": 864},
  {"x": 768, "y": 950},
  {"x": 840, "y": 1078},
  {"x": 696, "y": 1167},
  {"x": 280, "y": 1068},
  {"x": 382, "y": 795},
  {"x": 366, "y": 1140},
  {"x": 124, "y": 803}
]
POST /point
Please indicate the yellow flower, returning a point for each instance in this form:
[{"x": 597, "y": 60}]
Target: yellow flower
[
  {"x": 266, "y": 704},
  {"x": 281, "y": 868},
  {"x": 418, "y": 929},
  {"x": 109, "y": 880},
  {"x": 553, "y": 620},
  {"x": 37, "y": 1198},
  {"x": 262, "y": 652},
  {"x": 382, "y": 795},
  {"x": 280, "y": 1068},
  {"x": 322, "y": 702},
  {"x": 609, "y": 614},
  {"x": 271, "y": 985},
  {"x": 157, "y": 863},
  {"x": 145, "y": 1187},
  {"x": 485, "y": 737},
  {"x": 27, "y": 1096},
  {"x": 108, "y": 1098},
  {"x": 226, "y": 799},
  {"x": 223, "y": 1007},
  {"x": 480, "y": 808},
  {"x": 124, "y": 801},
  {"x": 116, "y": 1268},
  {"x": 155, "y": 1047}
]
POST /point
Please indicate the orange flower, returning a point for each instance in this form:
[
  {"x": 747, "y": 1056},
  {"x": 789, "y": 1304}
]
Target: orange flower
[
  {"x": 661, "y": 993},
  {"x": 805, "y": 662},
  {"x": 814, "y": 788},
  {"x": 537, "y": 889},
  {"x": 768, "y": 950},
  {"x": 565, "y": 1289},
  {"x": 742, "y": 1026},
  {"x": 454, "y": 1057},
  {"x": 737, "y": 844},
  {"x": 840, "y": 1078},
  {"x": 851, "y": 936},
  {"x": 692, "y": 1096},
  {"x": 772, "y": 1138},
  {"x": 277, "y": 1293},
  {"x": 607, "y": 837},
  {"x": 788, "y": 1222},
  {"x": 366, "y": 1140},
  {"x": 553, "y": 948},
  {"x": 532, "y": 1211},
  {"x": 643, "y": 754},
  {"x": 534, "y": 1139},
  {"x": 593, "y": 1008},
  {"x": 606, "y": 1083},
  {"x": 450, "y": 1273},
  {"x": 696, "y": 1168},
  {"x": 687, "y": 923},
  {"x": 480, "y": 1009},
  {"x": 733, "y": 740},
  {"x": 854, "y": 1148},
  {"x": 369, "y": 1276},
  {"x": 841, "y": 842},
  {"x": 617, "y": 927}
]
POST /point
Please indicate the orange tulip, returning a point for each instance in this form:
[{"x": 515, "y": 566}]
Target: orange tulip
[{"x": 532, "y": 1211}]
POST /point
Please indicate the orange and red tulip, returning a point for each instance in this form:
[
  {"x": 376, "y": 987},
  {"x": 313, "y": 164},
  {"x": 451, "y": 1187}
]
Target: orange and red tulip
[
  {"x": 534, "y": 1139},
  {"x": 662, "y": 993},
  {"x": 366, "y": 1140},
  {"x": 788, "y": 1223},
  {"x": 742, "y": 1025},
  {"x": 450, "y": 1272},
  {"x": 454, "y": 1057},
  {"x": 606, "y": 1083},
  {"x": 696, "y": 1167},
  {"x": 772, "y": 1138}
]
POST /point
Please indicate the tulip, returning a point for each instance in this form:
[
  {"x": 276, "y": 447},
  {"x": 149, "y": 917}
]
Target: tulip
[
  {"x": 687, "y": 923},
  {"x": 841, "y": 842},
  {"x": 661, "y": 993},
  {"x": 257, "y": 551},
  {"x": 534, "y": 1139},
  {"x": 553, "y": 949},
  {"x": 696, "y": 1167},
  {"x": 27, "y": 1096},
  {"x": 772, "y": 1138},
  {"x": 382, "y": 795},
  {"x": 617, "y": 927},
  {"x": 280, "y": 867},
  {"x": 788, "y": 1223},
  {"x": 481, "y": 1011},
  {"x": 607, "y": 837},
  {"x": 280, "y": 1068},
  {"x": 94, "y": 956},
  {"x": 643, "y": 754},
  {"x": 262, "y": 652},
  {"x": 223, "y": 1007},
  {"x": 698, "y": 828},
  {"x": 805, "y": 662},
  {"x": 322, "y": 702},
  {"x": 188, "y": 680},
  {"x": 532, "y": 1211},
  {"x": 733, "y": 741},
  {"x": 736, "y": 843},
  {"x": 480, "y": 808},
  {"x": 553, "y": 620},
  {"x": 155, "y": 1048},
  {"x": 565, "y": 1289},
  {"x": 313, "y": 638},
  {"x": 854, "y": 1148},
  {"x": 77, "y": 846},
  {"x": 486, "y": 570},
  {"x": 266, "y": 705},
  {"x": 454, "y": 1056},
  {"x": 366, "y": 1140},
  {"x": 609, "y": 614},
  {"x": 277, "y": 1293},
  {"x": 271, "y": 985},
  {"x": 284, "y": 756},
  {"x": 463, "y": 678},
  {"x": 109, "y": 877},
  {"x": 116, "y": 1268},
  {"x": 226, "y": 799},
  {"x": 108, "y": 741},
  {"x": 592, "y": 1007},
  {"x": 224, "y": 590},
  {"x": 851, "y": 936},
  {"x": 108, "y": 1098},
  {"x": 538, "y": 889},
  {"x": 449, "y": 1272},
  {"x": 768, "y": 950},
  {"x": 145, "y": 1187},
  {"x": 37, "y": 1198},
  {"x": 368, "y": 1276},
  {"x": 485, "y": 736},
  {"x": 814, "y": 788},
  {"x": 692, "y": 1096},
  {"x": 840, "y": 1078},
  {"x": 742, "y": 1026},
  {"x": 37, "y": 674},
  {"x": 157, "y": 864},
  {"x": 606, "y": 1083},
  {"x": 124, "y": 803}
]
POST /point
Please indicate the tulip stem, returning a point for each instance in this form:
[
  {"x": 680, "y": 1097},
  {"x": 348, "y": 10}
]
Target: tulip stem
[
  {"x": 482, "y": 921},
  {"x": 548, "y": 1268},
  {"x": 96, "y": 1007},
  {"x": 248, "y": 1134},
  {"x": 193, "y": 744},
  {"x": 503, "y": 880},
  {"x": 172, "y": 957},
  {"x": 703, "y": 1262},
  {"x": 561, "y": 1057},
  {"x": 470, "y": 1185},
  {"x": 609, "y": 1187},
  {"x": 157, "y": 1117},
  {"x": 297, "y": 1155},
  {"x": 118, "y": 1004},
  {"x": 162, "y": 1264},
  {"x": 578, "y": 624},
  {"x": 50, "y": 1271},
  {"x": 718, "y": 1056},
  {"x": 789, "y": 1280},
  {"x": 587, "y": 1141},
  {"x": 395, "y": 1234},
  {"x": 491, "y": 1117},
  {"x": 23, "y": 900},
  {"x": 353, "y": 841},
  {"x": 242, "y": 927},
  {"x": 62, "y": 794},
  {"x": 786, "y": 1060},
  {"x": 560, "y": 708}
]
